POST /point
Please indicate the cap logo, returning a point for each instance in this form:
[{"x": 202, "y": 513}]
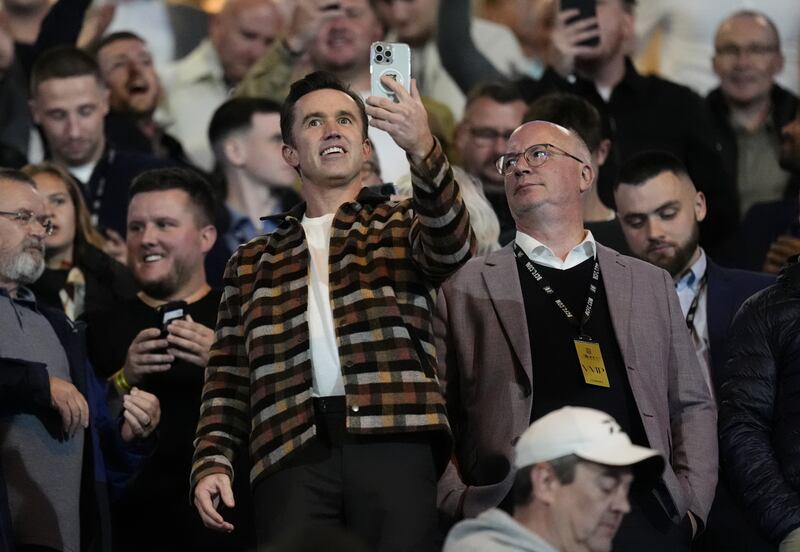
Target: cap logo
[{"x": 613, "y": 427}]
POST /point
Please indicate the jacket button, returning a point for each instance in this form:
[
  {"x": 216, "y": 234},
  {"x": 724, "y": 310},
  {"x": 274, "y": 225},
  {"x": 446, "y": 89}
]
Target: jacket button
[{"x": 354, "y": 408}]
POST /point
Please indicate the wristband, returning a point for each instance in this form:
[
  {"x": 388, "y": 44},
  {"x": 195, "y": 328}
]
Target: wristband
[{"x": 120, "y": 382}]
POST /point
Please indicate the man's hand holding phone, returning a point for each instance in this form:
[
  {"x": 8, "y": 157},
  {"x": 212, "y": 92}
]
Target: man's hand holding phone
[
  {"x": 406, "y": 120},
  {"x": 308, "y": 18},
  {"x": 190, "y": 341},
  {"x": 147, "y": 354},
  {"x": 570, "y": 39}
]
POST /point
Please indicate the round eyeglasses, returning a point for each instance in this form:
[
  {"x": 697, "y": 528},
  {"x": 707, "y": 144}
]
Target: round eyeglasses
[
  {"x": 535, "y": 156},
  {"x": 24, "y": 217}
]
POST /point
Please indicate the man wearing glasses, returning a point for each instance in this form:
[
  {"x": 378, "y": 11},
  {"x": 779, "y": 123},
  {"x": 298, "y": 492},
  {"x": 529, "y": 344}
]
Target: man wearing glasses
[
  {"x": 749, "y": 108},
  {"x": 556, "y": 319},
  {"x": 492, "y": 112}
]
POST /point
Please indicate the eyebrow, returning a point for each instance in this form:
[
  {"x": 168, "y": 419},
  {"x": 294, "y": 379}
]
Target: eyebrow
[{"x": 321, "y": 115}]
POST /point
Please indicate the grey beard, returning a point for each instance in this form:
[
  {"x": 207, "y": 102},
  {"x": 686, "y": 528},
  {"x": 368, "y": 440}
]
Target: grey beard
[{"x": 24, "y": 269}]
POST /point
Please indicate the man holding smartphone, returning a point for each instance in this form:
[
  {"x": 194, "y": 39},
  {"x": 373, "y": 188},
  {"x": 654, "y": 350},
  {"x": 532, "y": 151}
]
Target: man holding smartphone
[
  {"x": 323, "y": 361},
  {"x": 170, "y": 230}
]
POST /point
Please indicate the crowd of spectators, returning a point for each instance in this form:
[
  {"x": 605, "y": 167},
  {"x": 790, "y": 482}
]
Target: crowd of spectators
[{"x": 245, "y": 304}]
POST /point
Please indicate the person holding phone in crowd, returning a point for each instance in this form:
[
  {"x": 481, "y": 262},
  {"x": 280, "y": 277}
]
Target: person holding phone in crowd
[
  {"x": 323, "y": 360},
  {"x": 170, "y": 230}
]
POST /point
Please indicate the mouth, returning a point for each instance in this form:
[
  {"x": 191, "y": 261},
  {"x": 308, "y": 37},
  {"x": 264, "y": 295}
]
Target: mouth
[
  {"x": 659, "y": 249},
  {"x": 152, "y": 258},
  {"x": 138, "y": 88},
  {"x": 332, "y": 150}
]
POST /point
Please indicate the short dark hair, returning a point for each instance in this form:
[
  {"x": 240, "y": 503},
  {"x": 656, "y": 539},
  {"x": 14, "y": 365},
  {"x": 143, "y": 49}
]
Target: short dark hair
[
  {"x": 115, "y": 37},
  {"x": 179, "y": 178},
  {"x": 318, "y": 80},
  {"x": 236, "y": 115},
  {"x": 502, "y": 92},
  {"x": 574, "y": 113},
  {"x": 648, "y": 164},
  {"x": 15, "y": 175},
  {"x": 522, "y": 488},
  {"x": 63, "y": 62}
]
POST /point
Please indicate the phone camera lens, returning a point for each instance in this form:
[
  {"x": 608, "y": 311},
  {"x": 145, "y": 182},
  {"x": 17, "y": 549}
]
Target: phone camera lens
[
  {"x": 379, "y": 48},
  {"x": 379, "y": 58},
  {"x": 388, "y": 53}
]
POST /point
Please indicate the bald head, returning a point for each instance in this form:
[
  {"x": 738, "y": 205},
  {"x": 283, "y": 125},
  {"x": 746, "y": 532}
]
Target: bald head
[
  {"x": 242, "y": 32},
  {"x": 732, "y": 23}
]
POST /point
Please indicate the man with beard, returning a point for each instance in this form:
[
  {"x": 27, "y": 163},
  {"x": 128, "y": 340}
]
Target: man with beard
[
  {"x": 170, "y": 230},
  {"x": 661, "y": 211},
  {"x": 126, "y": 65},
  {"x": 60, "y": 450}
]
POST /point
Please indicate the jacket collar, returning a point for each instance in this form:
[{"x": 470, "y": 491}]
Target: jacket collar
[{"x": 366, "y": 196}]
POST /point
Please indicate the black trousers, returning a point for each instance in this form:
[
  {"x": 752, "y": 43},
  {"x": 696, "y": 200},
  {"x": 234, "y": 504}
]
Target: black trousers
[
  {"x": 380, "y": 488},
  {"x": 647, "y": 527}
]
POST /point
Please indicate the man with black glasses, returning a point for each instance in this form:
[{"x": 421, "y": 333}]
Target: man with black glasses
[{"x": 556, "y": 319}]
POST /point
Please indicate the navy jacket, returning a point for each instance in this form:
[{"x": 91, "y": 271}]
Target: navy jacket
[{"x": 108, "y": 462}]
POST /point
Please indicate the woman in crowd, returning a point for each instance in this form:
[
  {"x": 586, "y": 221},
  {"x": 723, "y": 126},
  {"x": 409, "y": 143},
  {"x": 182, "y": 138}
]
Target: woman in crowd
[{"x": 79, "y": 276}]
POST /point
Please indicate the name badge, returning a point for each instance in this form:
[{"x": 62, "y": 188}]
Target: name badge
[{"x": 591, "y": 361}]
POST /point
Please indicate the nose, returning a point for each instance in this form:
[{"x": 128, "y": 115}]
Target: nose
[
  {"x": 655, "y": 229},
  {"x": 621, "y": 503},
  {"x": 331, "y": 130},
  {"x": 149, "y": 235},
  {"x": 73, "y": 126}
]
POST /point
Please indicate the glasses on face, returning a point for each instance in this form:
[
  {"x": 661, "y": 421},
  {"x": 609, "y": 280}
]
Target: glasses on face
[
  {"x": 535, "y": 156},
  {"x": 733, "y": 51},
  {"x": 488, "y": 134},
  {"x": 24, "y": 218}
]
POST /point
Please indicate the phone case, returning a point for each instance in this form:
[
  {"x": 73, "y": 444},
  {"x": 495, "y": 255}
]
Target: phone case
[{"x": 393, "y": 59}]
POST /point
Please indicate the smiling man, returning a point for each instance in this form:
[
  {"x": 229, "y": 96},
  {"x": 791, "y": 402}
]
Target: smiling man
[
  {"x": 126, "y": 66},
  {"x": 323, "y": 361},
  {"x": 567, "y": 321},
  {"x": 749, "y": 107},
  {"x": 170, "y": 230}
]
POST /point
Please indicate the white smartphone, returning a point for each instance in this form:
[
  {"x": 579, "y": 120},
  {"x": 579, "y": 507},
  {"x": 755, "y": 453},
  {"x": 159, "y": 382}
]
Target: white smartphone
[{"x": 392, "y": 59}]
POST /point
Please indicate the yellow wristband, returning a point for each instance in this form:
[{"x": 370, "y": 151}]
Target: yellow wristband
[{"x": 120, "y": 382}]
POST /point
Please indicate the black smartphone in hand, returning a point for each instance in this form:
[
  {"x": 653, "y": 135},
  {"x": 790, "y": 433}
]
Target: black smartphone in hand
[{"x": 586, "y": 9}]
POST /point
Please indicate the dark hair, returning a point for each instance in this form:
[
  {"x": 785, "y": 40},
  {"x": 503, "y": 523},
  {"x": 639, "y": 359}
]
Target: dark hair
[
  {"x": 522, "y": 488},
  {"x": 235, "y": 115},
  {"x": 502, "y": 92},
  {"x": 115, "y": 37},
  {"x": 319, "y": 80},
  {"x": 178, "y": 178},
  {"x": 645, "y": 165},
  {"x": 572, "y": 112},
  {"x": 63, "y": 62}
]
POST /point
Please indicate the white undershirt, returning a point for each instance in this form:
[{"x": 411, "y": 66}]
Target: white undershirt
[
  {"x": 326, "y": 369},
  {"x": 83, "y": 172}
]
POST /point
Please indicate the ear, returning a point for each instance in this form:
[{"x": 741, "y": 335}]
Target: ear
[
  {"x": 208, "y": 236},
  {"x": 545, "y": 483},
  {"x": 366, "y": 149},
  {"x": 234, "y": 151},
  {"x": 700, "y": 207},
  {"x": 587, "y": 177},
  {"x": 602, "y": 152},
  {"x": 290, "y": 156},
  {"x": 33, "y": 106},
  {"x": 628, "y": 25},
  {"x": 105, "y": 94},
  {"x": 461, "y": 136}
]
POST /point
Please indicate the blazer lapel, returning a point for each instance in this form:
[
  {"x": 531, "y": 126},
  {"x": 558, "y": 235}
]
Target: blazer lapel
[
  {"x": 505, "y": 291},
  {"x": 618, "y": 285}
]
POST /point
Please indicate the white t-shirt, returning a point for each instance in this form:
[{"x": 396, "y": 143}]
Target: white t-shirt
[{"x": 326, "y": 368}]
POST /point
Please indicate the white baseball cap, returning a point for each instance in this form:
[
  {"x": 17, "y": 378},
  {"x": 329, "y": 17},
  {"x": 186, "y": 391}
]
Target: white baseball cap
[{"x": 587, "y": 433}]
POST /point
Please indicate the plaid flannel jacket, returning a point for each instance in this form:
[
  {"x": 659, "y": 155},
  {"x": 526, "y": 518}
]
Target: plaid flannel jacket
[{"x": 386, "y": 260}]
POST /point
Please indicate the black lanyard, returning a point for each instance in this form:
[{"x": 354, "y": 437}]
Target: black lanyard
[
  {"x": 690, "y": 314},
  {"x": 547, "y": 288}
]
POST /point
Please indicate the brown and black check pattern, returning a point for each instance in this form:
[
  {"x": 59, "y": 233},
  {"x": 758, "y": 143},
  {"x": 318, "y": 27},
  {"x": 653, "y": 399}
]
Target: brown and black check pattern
[{"x": 386, "y": 261}]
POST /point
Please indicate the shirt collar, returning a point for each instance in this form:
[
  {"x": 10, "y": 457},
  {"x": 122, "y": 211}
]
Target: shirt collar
[
  {"x": 691, "y": 278},
  {"x": 541, "y": 254}
]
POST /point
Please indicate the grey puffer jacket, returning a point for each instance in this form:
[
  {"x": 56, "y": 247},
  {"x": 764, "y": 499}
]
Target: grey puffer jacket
[{"x": 759, "y": 406}]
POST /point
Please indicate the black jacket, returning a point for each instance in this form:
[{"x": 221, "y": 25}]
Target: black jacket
[
  {"x": 784, "y": 109},
  {"x": 759, "y": 406}
]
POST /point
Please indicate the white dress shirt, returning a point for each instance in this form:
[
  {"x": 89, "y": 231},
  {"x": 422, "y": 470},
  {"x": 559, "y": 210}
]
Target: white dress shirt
[{"x": 541, "y": 254}]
